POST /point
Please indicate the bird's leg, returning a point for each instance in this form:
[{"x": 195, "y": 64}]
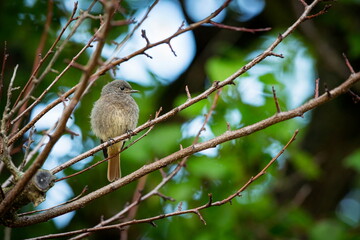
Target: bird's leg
[{"x": 130, "y": 133}]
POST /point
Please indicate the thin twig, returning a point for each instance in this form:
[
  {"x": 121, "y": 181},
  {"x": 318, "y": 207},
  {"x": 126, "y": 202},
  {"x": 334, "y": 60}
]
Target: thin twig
[
  {"x": 85, "y": 189},
  {"x": 187, "y": 92},
  {"x": 8, "y": 103},
  {"x": 355, "y": 97},
  {"x": 5, "y": 56},
  {"x": 143, "y": 35},
  {"x": 348, "y": 64},
  {"x": 323, "y": 11},
  {"x": 128, "y": 36},
  {"x": 276, "y": 55},
  {"x": 27, "y": 148},
  {"x": 31, "y": 83},
  {"x": 33, "y": 152},
  {"x": 48, "y": 69},
  {"x": 239, "y": 29},
  {"x": 84, "y": 170},
  {"x": 42, "y": 95},
  {"x": 303, "y": 3},
  {"x": 316, "y": 94},
  {"x": 278, "y": 109}
]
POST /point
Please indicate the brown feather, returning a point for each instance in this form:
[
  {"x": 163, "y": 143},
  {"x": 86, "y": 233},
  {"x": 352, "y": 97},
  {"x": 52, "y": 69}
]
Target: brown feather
[{"x": 114, "y": 169}]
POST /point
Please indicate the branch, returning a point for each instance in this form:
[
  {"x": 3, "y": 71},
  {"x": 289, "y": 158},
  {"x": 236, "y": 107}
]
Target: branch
[
  {"x": 316, "y": 90},
  {"x": 165, "y": 179},
  {"x": 101, "y": 147},
  {"x": 278, "y": 109},
  {"x": 6, "y": 113},
  {"x": 193, "y": 148},
  {"x": 184, "y": 152},
  {"x": 5, "y": 56},
  {"x": 239, "y": 29},
  {"x": 180, "y": 31},
  {"x": 348, "y": 64},
  {"x": 227, "y": 136},
  {"x": 19, "y": 186},
  {"x": 215, "y": 86},
  {"x": 48, "y": 69},
  {"x": 33, "y": 81},
  {"x": 122, "y": 43},
  {"x": 180, "y": 211}
]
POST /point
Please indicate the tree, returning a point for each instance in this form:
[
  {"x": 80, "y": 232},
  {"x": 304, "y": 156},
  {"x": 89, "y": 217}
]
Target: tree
[{"x": 222, "y": 161}]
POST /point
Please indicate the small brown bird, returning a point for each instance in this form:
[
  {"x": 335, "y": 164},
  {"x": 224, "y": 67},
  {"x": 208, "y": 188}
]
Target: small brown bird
[{"x": 114, "y": 114}]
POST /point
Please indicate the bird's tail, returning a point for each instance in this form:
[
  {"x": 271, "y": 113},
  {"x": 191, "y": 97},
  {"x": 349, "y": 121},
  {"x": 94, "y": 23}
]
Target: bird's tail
[{"x": 114, "y": 169}]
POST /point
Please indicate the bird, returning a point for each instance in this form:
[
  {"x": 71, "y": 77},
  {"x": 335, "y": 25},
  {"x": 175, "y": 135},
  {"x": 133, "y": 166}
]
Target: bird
[{"x": 114, "y": 114}]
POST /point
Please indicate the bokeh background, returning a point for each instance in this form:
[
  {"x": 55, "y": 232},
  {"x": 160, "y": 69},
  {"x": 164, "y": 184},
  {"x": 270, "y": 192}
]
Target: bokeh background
[{"x": 312, "y": 192}]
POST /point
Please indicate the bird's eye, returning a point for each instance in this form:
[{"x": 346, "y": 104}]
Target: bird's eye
[{"x": 122, "y": 88}]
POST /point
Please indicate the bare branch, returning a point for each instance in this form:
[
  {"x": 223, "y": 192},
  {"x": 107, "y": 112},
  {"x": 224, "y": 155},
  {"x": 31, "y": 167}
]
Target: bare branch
[
  {"x": 19, "y": 186},
  {"x": 355, "y": 97},
  {"x": 317, "y": 81},
  {"x": 187, "y": 92},
  {"x": 5, "y": 56},
  {"x": 276, "y": 55},
  {"x": 6, "y": 112},
  {"x": 122, "y": 43},
  {"x": 303, "y": 3},
  {"x": 227, "y": 136},
  {"x": 166, "y": 178},
  {"x": 143, "y": 35},
  {"x": 348, "y": 64},
  {"x": 171, "y": 48},
  {"x": 278, "y": 109},
  {"x": 323, "y": 11},
  {"x": 239, "y": 29},
  {"x": 179, "y": 211},
  {"x": 200, "y": 216},
  {"x": 29, "y": 86}
]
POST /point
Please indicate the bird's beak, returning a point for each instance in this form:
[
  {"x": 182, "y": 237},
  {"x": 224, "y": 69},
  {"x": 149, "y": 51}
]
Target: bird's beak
[{"x": 133, "y": 91}]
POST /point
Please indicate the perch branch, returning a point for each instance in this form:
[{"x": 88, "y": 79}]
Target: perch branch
[
  {"x": 216, "y": 85},
  {"x": 227, "y": 136},
  {"x": 179, "y": 211}
]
